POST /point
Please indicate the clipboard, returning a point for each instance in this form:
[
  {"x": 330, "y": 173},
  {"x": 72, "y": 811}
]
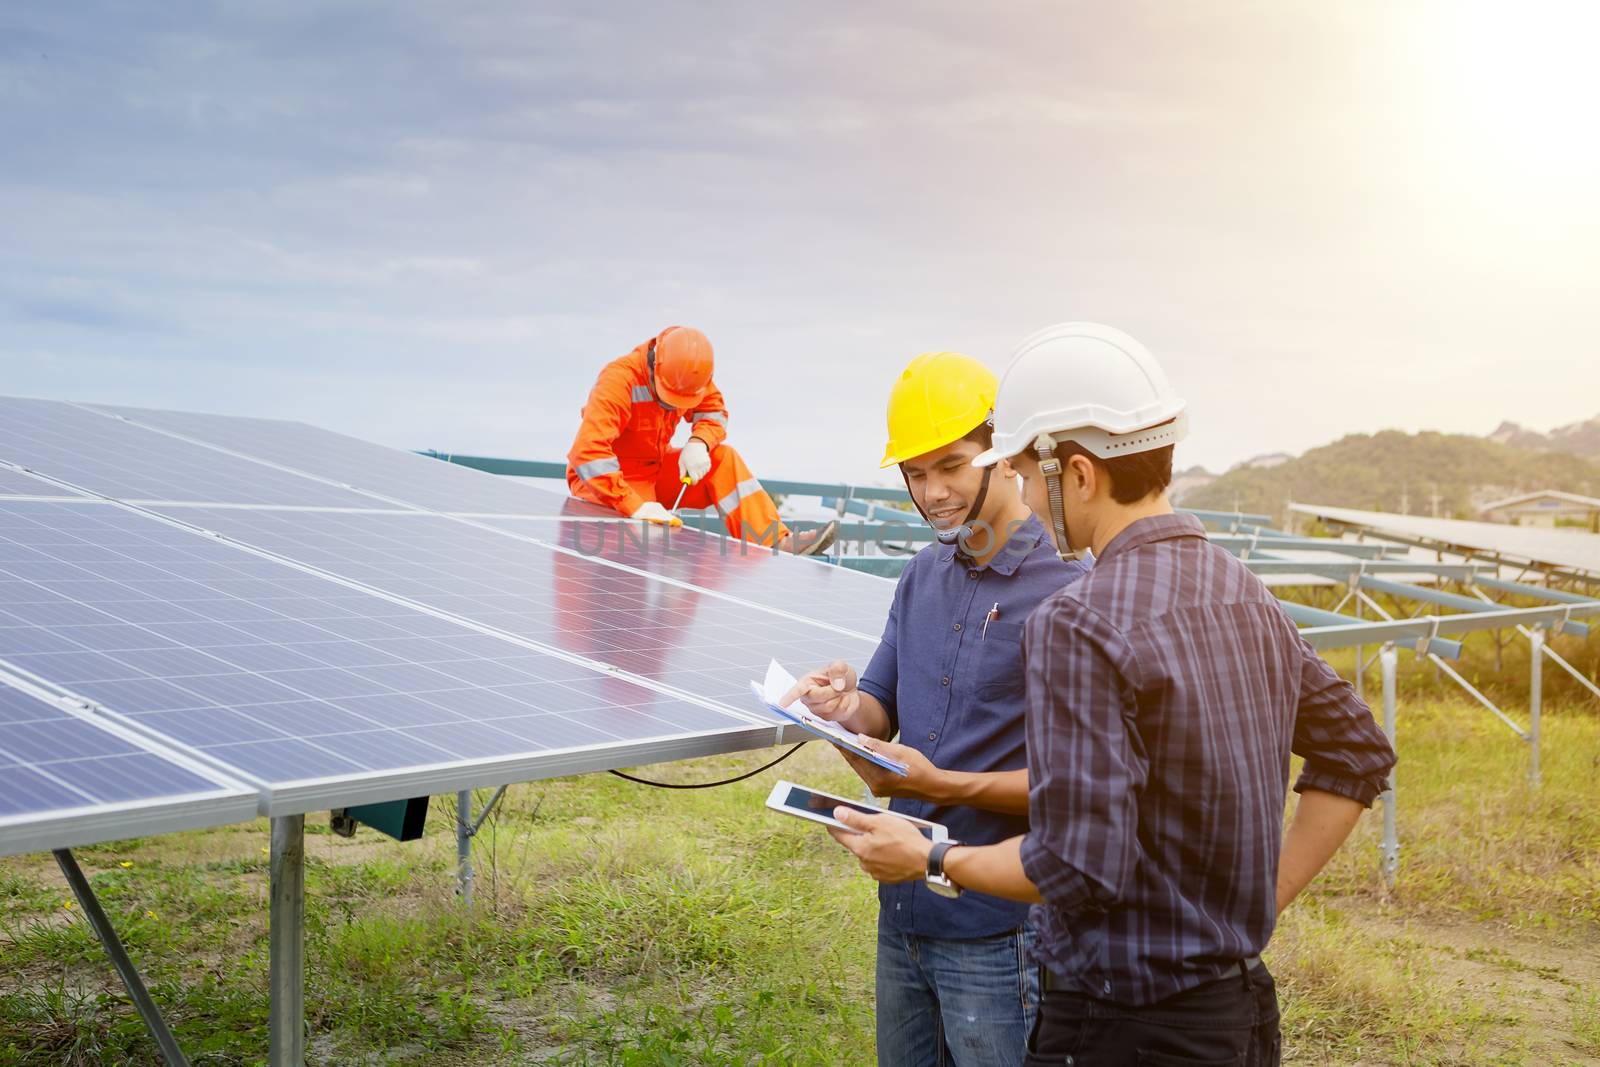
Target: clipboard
[{"x": 780, "y": 681}]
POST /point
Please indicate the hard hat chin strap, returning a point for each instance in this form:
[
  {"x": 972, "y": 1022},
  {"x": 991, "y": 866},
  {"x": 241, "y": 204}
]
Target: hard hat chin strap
[
  {"x": 1045, "y": 447},
  {"x": 962, "y": 531}
]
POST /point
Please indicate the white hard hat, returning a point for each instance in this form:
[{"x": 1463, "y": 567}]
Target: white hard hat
[{"x": 1088, "y": 382}]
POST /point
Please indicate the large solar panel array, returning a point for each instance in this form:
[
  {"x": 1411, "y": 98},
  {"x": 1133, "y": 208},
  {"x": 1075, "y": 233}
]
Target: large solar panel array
[
  {"x": 227, "y": 600},
  {"x": 1575, "y": 550}
]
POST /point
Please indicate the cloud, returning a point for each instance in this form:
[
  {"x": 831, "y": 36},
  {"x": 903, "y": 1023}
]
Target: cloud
[{"x": 477, "y": 204}]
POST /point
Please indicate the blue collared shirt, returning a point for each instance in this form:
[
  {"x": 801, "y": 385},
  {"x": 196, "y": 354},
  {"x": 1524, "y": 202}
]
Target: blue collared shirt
[{"x": 949, "y": 673}]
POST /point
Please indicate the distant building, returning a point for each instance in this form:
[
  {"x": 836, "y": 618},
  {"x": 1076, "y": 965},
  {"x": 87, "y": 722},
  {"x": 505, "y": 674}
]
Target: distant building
[
  {"x": 1271, "y": 459},
  {"x": 1547, "y": 507}
]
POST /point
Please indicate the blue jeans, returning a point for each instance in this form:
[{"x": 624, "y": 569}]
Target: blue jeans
[{"x": 946, "y": 1003}]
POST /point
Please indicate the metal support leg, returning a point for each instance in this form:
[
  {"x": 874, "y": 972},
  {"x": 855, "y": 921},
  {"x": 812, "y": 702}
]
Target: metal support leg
[
  {"x": 1361, "y": 678},
  {"x": 1389, "y": 850},
  {"x": 287, "y": 943},
  {"x": 1535, "y": 703},
  {"x": 119, "y": 959},
  {"x": 464, "y": 846}
]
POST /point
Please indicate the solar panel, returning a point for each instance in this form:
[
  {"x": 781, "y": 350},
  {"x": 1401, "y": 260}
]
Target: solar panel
[
  {"x": 675, "y": 635},
  {"x": 418, "y": 480},
  {"x": 320, "y": 694},
  {"x": 109, "y": 456},
  {"x": 1573, "y": 549},
  {"x": 65, "y": 781},
  {"x": 388, "y": 652},
  {"x": 834, "y": 595}
]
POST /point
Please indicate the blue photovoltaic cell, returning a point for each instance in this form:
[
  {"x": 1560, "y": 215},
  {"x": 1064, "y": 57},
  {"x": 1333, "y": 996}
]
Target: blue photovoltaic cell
[
  {"x": 680, "y": 637},
  {"x": 834, "y": 595},
  {"x": 285, "y": 675},
  {"x": 418, "y": 480},
  {"x": 52, "y": 761},
  {"x": 109, "y": 456}
]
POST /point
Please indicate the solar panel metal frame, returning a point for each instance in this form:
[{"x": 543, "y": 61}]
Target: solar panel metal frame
[{"x": 228, "y": 801}]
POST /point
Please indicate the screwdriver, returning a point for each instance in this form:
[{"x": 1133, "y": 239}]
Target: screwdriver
[{"x": 687, "y": 482}]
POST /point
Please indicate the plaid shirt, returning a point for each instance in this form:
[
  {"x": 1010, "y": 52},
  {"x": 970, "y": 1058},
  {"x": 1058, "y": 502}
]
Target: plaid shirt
[{"x": 1166, "y": 690}]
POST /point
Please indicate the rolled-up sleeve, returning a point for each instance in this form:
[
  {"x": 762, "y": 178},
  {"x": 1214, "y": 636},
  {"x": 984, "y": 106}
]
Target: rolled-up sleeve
[
  {"x": 1345, "y": 751},
  {"x": 882, "y": 676},
  {"x": 1085, "y": 769}
]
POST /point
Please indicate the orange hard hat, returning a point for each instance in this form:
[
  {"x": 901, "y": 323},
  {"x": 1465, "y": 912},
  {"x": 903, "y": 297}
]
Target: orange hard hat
[{"x": 681, "y": 361}]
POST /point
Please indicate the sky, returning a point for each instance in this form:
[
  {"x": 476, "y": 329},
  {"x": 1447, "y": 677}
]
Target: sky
[{"x": 430, "y": 224}]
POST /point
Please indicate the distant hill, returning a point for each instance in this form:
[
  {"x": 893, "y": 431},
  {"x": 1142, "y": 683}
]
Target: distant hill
[
  {"x": 1450, "y": 475},
  {"x": 1579, "y": 438}
]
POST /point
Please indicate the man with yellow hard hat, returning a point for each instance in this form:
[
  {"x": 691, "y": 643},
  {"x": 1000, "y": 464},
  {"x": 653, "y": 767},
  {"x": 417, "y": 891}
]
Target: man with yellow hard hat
[{"x": 954, "y": 982}]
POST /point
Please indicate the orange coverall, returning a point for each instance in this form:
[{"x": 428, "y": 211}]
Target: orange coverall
[{"x": 623, "y": 454}]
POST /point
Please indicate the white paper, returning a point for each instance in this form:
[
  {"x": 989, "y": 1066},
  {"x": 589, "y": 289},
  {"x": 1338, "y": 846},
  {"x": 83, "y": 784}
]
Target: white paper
[{"x": 779, "y": 681}]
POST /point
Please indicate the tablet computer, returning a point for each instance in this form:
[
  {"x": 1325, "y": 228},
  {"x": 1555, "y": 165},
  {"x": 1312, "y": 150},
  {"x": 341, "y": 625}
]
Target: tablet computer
[{"x": 804, "y": 802}]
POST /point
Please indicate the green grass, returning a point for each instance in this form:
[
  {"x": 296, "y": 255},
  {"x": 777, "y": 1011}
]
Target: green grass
[{"x": 616, "y": 924}]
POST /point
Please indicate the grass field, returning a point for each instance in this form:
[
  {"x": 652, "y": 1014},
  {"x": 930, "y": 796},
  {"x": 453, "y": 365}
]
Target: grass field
[{"x": 617, "y": 924}]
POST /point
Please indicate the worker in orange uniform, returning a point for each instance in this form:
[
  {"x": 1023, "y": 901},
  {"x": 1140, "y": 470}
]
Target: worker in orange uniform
[{"x": 623, "y": 456}]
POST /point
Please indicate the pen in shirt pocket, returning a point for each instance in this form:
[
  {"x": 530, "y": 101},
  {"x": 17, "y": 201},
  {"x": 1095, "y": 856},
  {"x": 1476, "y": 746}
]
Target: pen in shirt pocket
[{"x": 994, "y": 613}]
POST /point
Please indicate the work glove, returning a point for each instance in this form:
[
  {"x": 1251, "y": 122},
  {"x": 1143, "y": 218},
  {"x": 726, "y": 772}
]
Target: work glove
[
  {"x": 651, "y": 511},
  {"x": 694, "y": 462}
]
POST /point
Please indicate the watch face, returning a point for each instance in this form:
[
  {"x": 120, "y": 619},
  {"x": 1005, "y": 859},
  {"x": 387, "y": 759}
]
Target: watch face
[{"x": 944, "y": 889}]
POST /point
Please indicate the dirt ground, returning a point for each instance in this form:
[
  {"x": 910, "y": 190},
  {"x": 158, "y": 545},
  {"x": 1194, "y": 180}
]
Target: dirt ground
[{"x": 1534, "y": 977}]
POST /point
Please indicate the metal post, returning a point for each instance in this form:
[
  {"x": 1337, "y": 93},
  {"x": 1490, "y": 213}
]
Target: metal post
[
  {"x": 464, "y": 846},
  {"x": 287, "y": 944},
  {"x": 1389, "y": 850},
  {"x": 1535, "y": 703},
  {"x": 119, "y": 959},
  {"x": 1360, "y": 674}
]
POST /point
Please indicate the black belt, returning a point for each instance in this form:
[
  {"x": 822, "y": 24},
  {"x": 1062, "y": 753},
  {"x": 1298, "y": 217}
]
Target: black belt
[{"x": 1050, "y": 982}]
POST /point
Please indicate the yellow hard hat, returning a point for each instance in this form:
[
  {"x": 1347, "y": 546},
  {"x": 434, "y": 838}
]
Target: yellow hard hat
[{"x": 940, "y": 397}]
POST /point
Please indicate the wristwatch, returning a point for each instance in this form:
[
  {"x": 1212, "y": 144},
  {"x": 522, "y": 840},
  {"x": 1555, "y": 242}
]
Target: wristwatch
[{"x": 936, "y": 879}]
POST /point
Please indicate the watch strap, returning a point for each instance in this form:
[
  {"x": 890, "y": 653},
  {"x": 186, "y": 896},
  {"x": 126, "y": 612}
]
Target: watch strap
[{"x": 936, "y": 858}]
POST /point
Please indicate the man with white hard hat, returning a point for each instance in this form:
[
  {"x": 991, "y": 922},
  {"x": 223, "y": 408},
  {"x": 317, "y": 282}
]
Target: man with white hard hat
[{"x": 1166, "y": 690}]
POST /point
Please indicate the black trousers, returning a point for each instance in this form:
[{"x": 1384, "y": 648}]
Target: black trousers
[{"x": 1231, "y": 1021}]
